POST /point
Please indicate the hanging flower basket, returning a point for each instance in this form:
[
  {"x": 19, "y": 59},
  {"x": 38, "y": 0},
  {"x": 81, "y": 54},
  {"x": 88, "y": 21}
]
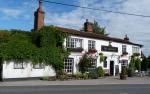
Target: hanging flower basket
[
  {"x": 92, "y": 51},
  {"x": 124, "y": 53}
]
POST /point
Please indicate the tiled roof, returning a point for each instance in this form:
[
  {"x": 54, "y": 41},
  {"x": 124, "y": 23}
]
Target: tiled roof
[{"x": 96, "y": 36}]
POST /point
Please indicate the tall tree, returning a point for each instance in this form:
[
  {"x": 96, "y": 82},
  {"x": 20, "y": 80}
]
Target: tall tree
[
  {"x": 144, "y": 64},
  {"x": 148, "y": 60},
  {"x": 98, "y": 29}
]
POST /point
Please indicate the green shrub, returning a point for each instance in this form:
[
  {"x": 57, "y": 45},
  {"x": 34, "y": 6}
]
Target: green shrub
[
  {"x": 78, "y": 75},
  {"x": 59, "y": 73},
  {"x": 63, "y": 77},
  {"x": 85, "y": 75},
  {"x": 46, "y": 78},
  {"x": 93, "y": 74},
  {"x": 100, "y": 71},
  {"x": 84, "y": 64}
]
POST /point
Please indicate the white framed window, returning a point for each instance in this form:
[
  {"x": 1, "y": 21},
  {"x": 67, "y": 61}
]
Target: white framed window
[
  {"x": 91, "y": 44},
  {"x": 38, "y": 66},
  {"x": 68, "y": 65},
  {"x": 124, "y": 48},
  {"x": 73, "y": 43},
  {"x": 135, "y": 49},
  {"x": 18, "y": 65}
]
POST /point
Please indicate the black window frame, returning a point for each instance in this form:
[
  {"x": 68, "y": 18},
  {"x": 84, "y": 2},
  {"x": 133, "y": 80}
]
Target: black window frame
[
  {"x": 18, "y": 67},
  {"x": 124, "y": 48},
  {"x": 69, "y": 65},
  {"x": 105, "y": 64},
  {"x": 40, "y": 66}
]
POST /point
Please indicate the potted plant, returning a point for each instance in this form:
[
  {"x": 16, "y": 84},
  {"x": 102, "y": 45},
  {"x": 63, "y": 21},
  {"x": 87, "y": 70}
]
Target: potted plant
[{"x": 123, "y": 75}]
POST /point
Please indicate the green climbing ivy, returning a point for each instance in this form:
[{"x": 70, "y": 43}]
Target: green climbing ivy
[{"x": 42, "y": 46}]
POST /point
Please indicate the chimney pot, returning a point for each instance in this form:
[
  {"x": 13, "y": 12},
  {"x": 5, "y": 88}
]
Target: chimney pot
[{"x": 126, "y": 38}]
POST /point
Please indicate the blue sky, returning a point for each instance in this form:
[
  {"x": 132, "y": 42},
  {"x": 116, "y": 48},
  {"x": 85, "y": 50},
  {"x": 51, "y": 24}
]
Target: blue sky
[{"x": 18, "y": 14}]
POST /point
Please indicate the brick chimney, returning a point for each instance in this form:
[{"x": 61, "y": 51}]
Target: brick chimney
[
  {"x": 88, "y": 26},
  {"x": 39, "y": 17}
]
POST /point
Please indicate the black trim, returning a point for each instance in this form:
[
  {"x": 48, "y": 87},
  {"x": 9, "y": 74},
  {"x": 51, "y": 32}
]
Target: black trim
[
  {"x": 22, "y": 67},
  {"x": 41, "y": 66},
  {"x": 109, "y": 48},
  {"x": 75, "y": 49}
]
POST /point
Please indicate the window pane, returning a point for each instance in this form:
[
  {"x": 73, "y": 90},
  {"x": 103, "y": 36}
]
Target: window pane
[
  {"x": 124, "y": 47},
  {"x": 38, "y": 66},
  {"x": 91, "y": 44},
  {"x": 18, "y": 65},
  {"x": 105, "y": 64},
  {"x": 73, "y": 43}
]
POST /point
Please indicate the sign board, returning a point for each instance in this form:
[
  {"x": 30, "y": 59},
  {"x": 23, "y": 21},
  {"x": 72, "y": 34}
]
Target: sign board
[{"x": 109, "y": 48}]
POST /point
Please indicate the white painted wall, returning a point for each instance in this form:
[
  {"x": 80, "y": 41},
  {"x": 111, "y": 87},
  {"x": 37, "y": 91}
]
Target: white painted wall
[
  {"x": 28, "y": 71},
  {"x": 111, "y": 56}
]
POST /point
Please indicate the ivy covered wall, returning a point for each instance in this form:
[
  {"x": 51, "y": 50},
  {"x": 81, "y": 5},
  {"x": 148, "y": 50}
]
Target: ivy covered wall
[{"x": 42, "y": 46}]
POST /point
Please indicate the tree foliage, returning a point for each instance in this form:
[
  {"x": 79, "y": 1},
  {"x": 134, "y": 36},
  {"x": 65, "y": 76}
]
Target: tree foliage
[
  {"x": 50, "y": 50},
  {"x": 135, "y": 63},
  {"x": 98, "y": 29},
  {"x": 148, "y": 60},
  {"x": 144, "y": 64},
  {"x": 16, "y": 46}
]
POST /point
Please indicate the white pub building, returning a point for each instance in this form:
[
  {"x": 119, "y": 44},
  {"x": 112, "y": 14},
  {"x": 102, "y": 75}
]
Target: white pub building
[{"x": 116, "y": 52}]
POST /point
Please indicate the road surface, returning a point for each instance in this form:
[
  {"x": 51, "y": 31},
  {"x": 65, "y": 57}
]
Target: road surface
[{"x": 77, "y": 89}]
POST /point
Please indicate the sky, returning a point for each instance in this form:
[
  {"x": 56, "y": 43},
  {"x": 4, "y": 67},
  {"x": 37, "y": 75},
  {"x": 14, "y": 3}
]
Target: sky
[{"x": 19, "y": 14}]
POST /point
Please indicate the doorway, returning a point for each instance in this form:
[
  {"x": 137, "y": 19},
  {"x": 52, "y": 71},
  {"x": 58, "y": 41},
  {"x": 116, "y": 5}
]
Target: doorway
[{"x": 111, "y": 68}]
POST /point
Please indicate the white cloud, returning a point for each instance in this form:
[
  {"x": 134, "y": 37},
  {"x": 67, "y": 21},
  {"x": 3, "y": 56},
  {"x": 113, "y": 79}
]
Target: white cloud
[
  {"x": 10, "y": 13},
  {"x": 23, "y": 11}
]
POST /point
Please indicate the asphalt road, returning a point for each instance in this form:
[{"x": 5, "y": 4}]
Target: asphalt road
[{"x": 82, "y": 89}]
